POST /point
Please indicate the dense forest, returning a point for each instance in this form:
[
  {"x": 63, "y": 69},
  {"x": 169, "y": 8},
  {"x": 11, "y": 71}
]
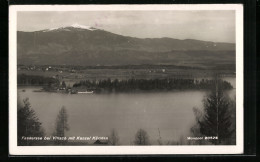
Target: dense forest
[
  {"x": 150, "y": 84},
  {"x": 126, "y": 85},
  {"x": 24, "y": 79}
]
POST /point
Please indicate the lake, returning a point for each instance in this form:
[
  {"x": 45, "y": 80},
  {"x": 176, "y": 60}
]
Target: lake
[{"x": 98, "y": 114}]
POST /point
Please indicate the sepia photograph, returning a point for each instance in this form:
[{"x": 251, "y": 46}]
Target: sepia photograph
[{"x": 164, "y": 77}]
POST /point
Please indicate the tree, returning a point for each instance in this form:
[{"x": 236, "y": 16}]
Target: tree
[
  {"x": 61, "y": 125},
  {"x": 141, "y": 138},
  {"x": 28, "y": 124},
  {"x": 216, "y": 118},
  {"x": 160, "y": 138},
  {"x": 195, "y": 129},
  {"x": 114, "y": 138},
  {"x": 63, "y": 84}
]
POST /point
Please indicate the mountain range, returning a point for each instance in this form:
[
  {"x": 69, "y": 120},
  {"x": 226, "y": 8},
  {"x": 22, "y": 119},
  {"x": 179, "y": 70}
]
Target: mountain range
[{"x": 88, "y": 46}]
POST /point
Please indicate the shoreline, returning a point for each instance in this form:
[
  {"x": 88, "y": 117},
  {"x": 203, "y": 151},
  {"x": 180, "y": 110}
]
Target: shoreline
[{"x": 118, "y": 92}]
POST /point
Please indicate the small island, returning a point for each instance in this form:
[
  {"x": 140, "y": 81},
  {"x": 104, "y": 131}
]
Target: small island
[{"x": 116, "y": 85}]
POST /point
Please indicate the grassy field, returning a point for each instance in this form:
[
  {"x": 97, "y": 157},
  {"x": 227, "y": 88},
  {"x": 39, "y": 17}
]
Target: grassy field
[{"x": 124, "y": 73}]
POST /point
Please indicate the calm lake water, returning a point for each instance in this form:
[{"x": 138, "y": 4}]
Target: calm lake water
[{"x": 98, "y": 114}]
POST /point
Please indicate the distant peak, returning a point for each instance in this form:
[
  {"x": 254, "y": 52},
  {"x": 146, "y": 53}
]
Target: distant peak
[
  {"x": 77, "y": 26},
  {"x": 82, "y": 26}
]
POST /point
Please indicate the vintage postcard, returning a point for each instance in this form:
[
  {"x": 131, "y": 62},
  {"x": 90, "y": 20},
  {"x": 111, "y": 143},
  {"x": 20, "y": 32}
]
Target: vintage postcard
[{"x": 125, "y": 79}]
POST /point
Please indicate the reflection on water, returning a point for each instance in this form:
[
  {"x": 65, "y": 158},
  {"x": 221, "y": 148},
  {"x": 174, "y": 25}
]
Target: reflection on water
[{"x": 97, "y": 114}]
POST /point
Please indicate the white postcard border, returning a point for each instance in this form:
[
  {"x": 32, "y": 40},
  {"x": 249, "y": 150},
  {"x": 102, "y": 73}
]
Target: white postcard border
[{"x": 121, "y": 150}]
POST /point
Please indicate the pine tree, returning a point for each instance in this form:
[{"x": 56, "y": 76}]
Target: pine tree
[
  {"x": 141, "y": 138},
  {"x": 113, "y": 138},
  {"x": 160, "y": 142},
  {"x": 195, "y": 129},
  {"x": 28, "y": 124},
  {"x": 216, "y": 120},
  {"x": 61, "y": 125},
  {"x": 63, "y": 84}
]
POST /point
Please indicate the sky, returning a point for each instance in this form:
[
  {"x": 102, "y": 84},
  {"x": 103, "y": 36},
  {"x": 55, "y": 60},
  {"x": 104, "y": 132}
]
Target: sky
[{"x": 211, "y": 25}]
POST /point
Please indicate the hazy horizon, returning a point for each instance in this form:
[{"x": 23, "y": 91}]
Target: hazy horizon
[{"x": 214, "y": 26}]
